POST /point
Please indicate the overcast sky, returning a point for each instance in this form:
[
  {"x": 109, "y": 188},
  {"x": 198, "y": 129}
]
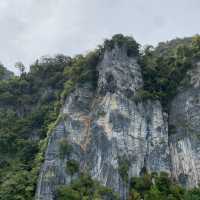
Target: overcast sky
[{"x": 32, "y": 28}]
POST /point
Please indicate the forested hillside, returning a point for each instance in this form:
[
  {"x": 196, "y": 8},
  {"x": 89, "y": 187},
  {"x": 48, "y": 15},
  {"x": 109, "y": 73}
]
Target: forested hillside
[{"x": 4, "y": 73}]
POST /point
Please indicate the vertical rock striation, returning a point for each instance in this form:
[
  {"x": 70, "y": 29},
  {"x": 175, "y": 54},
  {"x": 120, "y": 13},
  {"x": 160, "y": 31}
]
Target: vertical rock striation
[{"x": 184, "y": 124}]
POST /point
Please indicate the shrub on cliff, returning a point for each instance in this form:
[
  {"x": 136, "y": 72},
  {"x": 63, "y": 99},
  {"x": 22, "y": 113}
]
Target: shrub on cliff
[{"x": 164, "y": 67}]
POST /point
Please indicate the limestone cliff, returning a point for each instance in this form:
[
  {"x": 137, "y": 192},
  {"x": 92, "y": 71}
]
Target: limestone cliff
[{"x": 107, "y": 124}]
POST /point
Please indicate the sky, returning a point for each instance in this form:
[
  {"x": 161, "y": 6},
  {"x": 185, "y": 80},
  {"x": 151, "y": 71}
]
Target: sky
[{"x": 30, "y": 29}]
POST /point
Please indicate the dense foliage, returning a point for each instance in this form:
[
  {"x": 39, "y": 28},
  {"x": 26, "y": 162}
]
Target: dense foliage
[
  {"x": 147, "y": 187},
  {"x": 28, "y": 105},
  {"x": 85, "y": 188},
  {"x": 165, "y": 67},
  {"x": 159, "y": 187}
]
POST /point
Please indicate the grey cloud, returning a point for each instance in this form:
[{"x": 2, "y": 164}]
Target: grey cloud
[{"x": 32, "y": 28}]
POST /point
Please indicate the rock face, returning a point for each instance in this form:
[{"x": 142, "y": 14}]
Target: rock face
[
  {"x": 184, "y": 139},
  {"x": 107, "y": 125}
]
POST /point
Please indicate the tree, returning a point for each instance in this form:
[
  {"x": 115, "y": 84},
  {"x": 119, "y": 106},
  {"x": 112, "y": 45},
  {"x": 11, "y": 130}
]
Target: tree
[
  {"x": 85, "y": 188},
  {"x": 72, "y": 167},
  {"x": 153, "y": 194},
  {"x": 20, "y": 66},
  {"x": 17, "y": 186},
  {"x": 64, "y": 193},
  {"x": 133, "y": 195}
]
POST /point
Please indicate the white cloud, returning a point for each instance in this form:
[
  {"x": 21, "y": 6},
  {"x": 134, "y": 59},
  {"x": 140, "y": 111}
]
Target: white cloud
[{"x": 32, "y": 28}]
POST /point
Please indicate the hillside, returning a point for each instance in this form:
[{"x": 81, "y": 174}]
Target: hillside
[
  {"x": 116, "y": 123},
  {"x": 4, "y": 73}
]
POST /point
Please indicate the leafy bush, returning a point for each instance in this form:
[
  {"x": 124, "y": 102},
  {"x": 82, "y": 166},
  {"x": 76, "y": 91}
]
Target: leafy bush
[
  {"x": 82, "y": 70},
  {"x": 141, "y": 184},
  {"x": 159, "y": 187},
  {"x": 85, "y": 188},
  {"x": 72, "y": 167}
]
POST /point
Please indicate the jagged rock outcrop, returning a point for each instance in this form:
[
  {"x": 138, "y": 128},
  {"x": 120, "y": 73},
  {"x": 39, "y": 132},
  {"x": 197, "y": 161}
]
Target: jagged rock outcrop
[
  {"x": 107, "y": 125},
  {"x": 184, "y": 127}
]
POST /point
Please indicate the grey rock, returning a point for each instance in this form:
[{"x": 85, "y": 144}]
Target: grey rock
[
  {"x": 107, "y": 124},
  {"x": 184, "y": 139}
]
